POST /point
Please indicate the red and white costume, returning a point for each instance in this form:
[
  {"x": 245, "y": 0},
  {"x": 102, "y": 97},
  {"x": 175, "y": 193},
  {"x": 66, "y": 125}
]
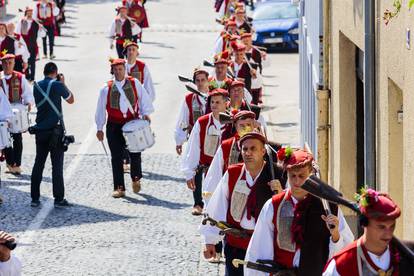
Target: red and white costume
[
  {"x": 17, "y": 88},
  {"x": 140, "y": 71},
  {"x": 356, "y": 260},
  {"x": 119, "y": 108},
  {"x": 227, "y": 154},
  {"x": 267, "y": 233},
  {"x": 202, "y": 144},
  {"x": 45, "y": 13},
  {"x": 191, "y": 109},
  {"x": 122, "y": 29},
  {"x": 30, "y": 31},
  {"x": 137, "y": 11}
]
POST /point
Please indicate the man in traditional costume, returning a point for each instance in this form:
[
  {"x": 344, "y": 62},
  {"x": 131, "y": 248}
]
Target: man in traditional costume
[
  {"x": 138, "y": 69},
  {"x": 18, "y": 90},
  {"x": 238, "y": 199},
  {"x": 45, "y": 12},
  {"x": 293, "y": 229},
  {"x": 123, "y": 99},
  {"x": 375, "y": 252},
  {"x": 192, "y": 108},
  {"x": 30, "y": 30},
  {"x": 122, "y": 29},
  {"x": 204, "y": 140}
]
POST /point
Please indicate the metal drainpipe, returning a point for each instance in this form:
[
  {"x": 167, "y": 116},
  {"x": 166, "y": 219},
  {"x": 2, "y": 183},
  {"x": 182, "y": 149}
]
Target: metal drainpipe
[
  {"x": 323, "y": 97},
  {"x": 370, "y": 95}
]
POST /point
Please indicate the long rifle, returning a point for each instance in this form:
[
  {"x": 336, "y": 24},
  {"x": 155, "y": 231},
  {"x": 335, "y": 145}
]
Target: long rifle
[{"x": 318, "y": 188}]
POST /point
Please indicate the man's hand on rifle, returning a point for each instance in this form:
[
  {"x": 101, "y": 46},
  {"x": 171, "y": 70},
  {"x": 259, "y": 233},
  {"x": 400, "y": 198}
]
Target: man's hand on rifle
[
  {"x": 332, "y": 220},
  {"x": 275, "y": 186},
  {"x": 191, "y": 184},
  {"x": 209, "y": 251}
]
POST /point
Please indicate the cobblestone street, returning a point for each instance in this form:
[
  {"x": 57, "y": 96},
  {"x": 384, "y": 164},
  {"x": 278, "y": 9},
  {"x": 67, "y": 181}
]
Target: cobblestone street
[{"x": 147, "y": 234}]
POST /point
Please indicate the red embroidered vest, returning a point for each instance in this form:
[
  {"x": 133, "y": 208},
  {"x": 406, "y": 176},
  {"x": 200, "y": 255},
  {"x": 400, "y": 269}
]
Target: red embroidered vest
[
  {"x": 112, "y": 106},
  {"x": 48, "y": 18},
  {"x": 15, "y": 87},
  {"x": 195, "y": 108},
  {"x": 138, "y": 71},
  {"x": 205, "y": 122},
  {"x": 234, "y": 172}
]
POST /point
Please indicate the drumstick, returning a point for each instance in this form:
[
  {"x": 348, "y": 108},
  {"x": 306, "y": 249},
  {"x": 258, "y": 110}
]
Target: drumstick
[{"x": 104, "y": 148}]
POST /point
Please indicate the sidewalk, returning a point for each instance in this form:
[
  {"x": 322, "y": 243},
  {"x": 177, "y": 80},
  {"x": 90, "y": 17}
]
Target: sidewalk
[{"x": 281, "y": 98}]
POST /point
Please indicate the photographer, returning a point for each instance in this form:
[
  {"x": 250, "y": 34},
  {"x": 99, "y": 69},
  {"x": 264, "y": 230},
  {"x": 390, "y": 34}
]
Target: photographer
[
  {"x": 50, "y": 132},
  {"x": 9, "y": 264}
]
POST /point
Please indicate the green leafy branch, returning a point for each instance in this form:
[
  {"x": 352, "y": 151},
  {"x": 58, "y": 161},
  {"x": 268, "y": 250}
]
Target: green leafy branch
[{"x": 397, "y": 5}]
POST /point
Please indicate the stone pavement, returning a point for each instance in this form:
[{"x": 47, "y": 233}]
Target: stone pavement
[
  {"x": 151, "y": 233},
  {"x": 147, "y": 234}
]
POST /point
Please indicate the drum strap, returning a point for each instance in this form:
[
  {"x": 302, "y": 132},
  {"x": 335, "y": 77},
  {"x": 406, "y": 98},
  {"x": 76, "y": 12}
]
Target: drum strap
[{"x": 47, "y": 99}]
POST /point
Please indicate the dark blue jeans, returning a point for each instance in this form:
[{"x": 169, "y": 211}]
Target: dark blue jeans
[
  {"x": 43, "y": 148},
  {"x": 197, "y": 194},
  {"x": 14, "y": 153}
]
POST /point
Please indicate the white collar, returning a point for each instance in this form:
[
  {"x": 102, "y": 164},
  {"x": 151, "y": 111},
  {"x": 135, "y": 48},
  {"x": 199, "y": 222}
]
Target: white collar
[
  {"x": 249, "y": 179},
  {"x": 382, "y": 261},
  {"x": 121, "y": 83},
  {"x": 7, "y": 76}
]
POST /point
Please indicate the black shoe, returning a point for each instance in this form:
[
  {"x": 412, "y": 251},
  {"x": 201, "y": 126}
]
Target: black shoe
[
  {"x": 35, "y": 203},
  {"x": 62, "y": 203}
]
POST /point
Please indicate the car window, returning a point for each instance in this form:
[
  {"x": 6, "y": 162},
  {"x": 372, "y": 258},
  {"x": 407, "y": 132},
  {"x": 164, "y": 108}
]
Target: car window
[{"x": 276, "y": 11}]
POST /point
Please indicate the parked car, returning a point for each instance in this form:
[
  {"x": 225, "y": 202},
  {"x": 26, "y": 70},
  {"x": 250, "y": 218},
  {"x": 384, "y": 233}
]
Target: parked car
[{"x": 277, "y": 24}]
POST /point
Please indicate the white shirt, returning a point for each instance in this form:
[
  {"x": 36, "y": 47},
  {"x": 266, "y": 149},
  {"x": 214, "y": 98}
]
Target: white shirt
[
  {"x": 5, "y": 107},
  {"x": 218, "y": 46},
  {"x": 40, "y": 33},
  {"x": 27, "y": 89},
  {"x": 135, "y": 29},
  {"x": 264, "y": 234},
  {"x": 144, "y": 101},
  {"x": 148, "y": 84},
  {"x": 55, "y": 10},
  {"x": 218, "y": 206},
  {"x": 214, "y": 174},
  {"x": 183, "y": 121},
  {"x": 12, "y": 267},
  {"x": 383, "y": 262},
  {"x": 20, "y": 48},
  {"x": 191, "y": 158}
]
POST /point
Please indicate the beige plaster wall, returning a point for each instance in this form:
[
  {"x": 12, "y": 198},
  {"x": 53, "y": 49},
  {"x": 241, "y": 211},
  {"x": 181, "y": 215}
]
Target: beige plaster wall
[{"x": 395, "y": 84}]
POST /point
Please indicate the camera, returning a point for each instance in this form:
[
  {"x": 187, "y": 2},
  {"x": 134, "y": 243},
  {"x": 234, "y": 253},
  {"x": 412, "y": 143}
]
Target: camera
[
  {"x": 59, "y": 76},
  {"x": 67, "y": 140},
  {"x": 11, "y": 245}
]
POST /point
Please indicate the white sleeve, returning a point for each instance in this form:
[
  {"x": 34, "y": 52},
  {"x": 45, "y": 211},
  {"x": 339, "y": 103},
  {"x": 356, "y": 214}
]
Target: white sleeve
[
  {"x": 135, "y": 29},
  {"x": 145, "y": 103},
  {"x": 100, "y": 115},
  {"x": 263, "y": 235},
  {"x": 217, "y": 210},
  {"x": 18, "y": 29},
  {"x": 346, "y": 236},
  {"x": 5, "y": 107},
  {"x": 191, "y": 157},
  {"x": 21, "y": 49},
  {"x": 27, "y": 94},
  {"x": 180, "y": 135},
  {"x": 56, "y": 11},
  {"x": 222, "y": 10},
  {"x": 35, "y": 13},
  {"x": 214, "y": 173},
  {"x": 112, "y": 33},
  {"x": 218, "y": 47},
  {"x": 331, "y": 269},
  {"x": 247, "y": 96},
  {"x": 148, "y": 84}
]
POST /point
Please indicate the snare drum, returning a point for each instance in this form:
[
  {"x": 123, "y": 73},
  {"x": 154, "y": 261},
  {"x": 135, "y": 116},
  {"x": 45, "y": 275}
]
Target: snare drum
[
  {"x": 20, "y": 121},
  {"x": 138, "y": 135},
  {"x": 5, "y": 139}
]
